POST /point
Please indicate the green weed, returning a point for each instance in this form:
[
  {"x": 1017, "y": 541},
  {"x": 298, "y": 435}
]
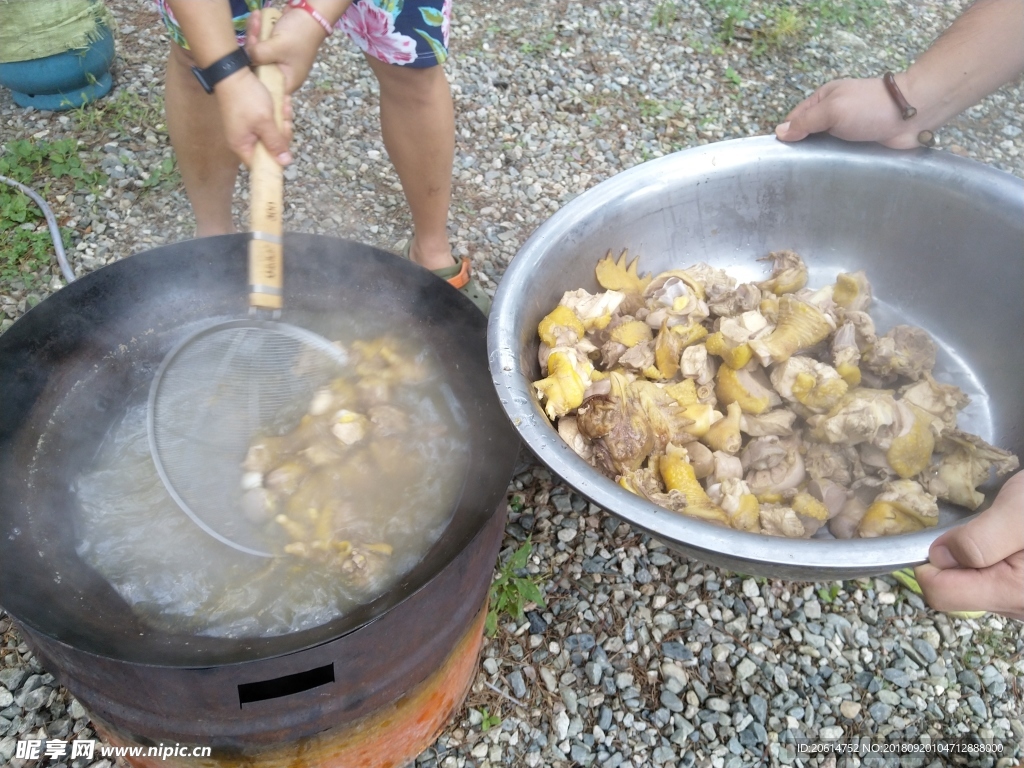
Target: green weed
[
  {"x": 510, "y": 593},
  {"x": 830, "y": 593},
  {"x": 781, "y": 29},
  {"x": 120, "y": 113},
  {"x": 541, "y": 47},
  {"x": 650, "y": 108},
  {"x": 488, "y": 720},
  {"x": 730, "y": 15},
  {"x": 665, "y": 14},
  {"x": 23, "y": 250},
  {"x": 733, "y": 76},
  {"x": 165, "y": 175}
]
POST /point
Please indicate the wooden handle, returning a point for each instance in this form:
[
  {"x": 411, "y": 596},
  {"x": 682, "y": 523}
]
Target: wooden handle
[{"x": 266, "y": 196}]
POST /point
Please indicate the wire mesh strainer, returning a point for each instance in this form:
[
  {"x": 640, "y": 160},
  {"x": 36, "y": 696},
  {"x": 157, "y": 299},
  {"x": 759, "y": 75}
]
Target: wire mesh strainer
[
  {"x": 233, "y": 381},
  {"x": 212, "y": 396}
]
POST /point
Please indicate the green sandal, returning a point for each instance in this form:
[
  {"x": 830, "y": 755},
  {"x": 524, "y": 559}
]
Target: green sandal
[
  {"x": 460, "y": 276},
  {"x": 905, "y": 576}
]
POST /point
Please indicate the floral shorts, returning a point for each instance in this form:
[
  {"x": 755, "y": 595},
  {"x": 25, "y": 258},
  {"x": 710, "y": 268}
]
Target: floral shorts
[{"x": 412, "y": 33}]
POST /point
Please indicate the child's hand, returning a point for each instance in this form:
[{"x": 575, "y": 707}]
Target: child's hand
[{"x": 292, "y": 45}]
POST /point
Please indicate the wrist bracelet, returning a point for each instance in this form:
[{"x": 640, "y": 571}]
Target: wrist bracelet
[
  {"x": 897, "y": 95},
  {"x": 221, "y": 68},
  {"x": 319, "y": 17},
  {"x": 924, "y": 138}
]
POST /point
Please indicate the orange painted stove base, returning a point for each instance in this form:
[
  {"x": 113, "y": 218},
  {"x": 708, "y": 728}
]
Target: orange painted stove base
[{"x": 391, "y": 737}]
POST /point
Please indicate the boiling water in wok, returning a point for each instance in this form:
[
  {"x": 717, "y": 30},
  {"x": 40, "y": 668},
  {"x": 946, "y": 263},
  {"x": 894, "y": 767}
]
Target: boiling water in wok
[{"x": 176, "y": 577}]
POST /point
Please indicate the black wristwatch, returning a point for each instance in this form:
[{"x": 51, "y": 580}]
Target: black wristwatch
[{"x": 221, "y": 68}]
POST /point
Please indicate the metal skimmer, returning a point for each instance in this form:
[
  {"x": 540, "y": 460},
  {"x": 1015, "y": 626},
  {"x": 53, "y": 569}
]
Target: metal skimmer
[{"x": 229, "y": 383}]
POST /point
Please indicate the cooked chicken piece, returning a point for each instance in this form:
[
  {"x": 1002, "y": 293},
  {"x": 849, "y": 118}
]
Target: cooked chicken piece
[
  {"x": 726, "y": 466},
  {"x": 374, "y": 389},
  {"x": 630, "y": 333},
  {"x": 701, "y": 459},
  {"x": 388, "y": 420},
  {"x": 622, "y": 334},
  {"x": 670, "y": 343},
  {"x": 670, "y": 300},
  {"x": 683, "y": 392},
  {"x": 822, "y": 299},
  {"x": 569, "y": 375},
  {"x": 644, "y": 482},
  {"x": 602, "y": 385},
  {"x": 812, "y": 513},
  {"x": 769, "y": 307},
  {"x": 569, "y": 431},
  {"x": 845, "y": 524},
  {"x": 349, "y": 427},
  {"x": 864, "y": 326},
  {"x": 744, "y": 298},
  {"x": 832, "y": 462},
  {"x": 773, "y": 465},
  {"x": 874, "y": 460},
  {"x": 846, "y": 353},
  {"x": 323, "y": 453},
  {"x": 630, "y": 423},
  {"x": 964, "y": 462},
  {"x": 863, "y": 415},
  {"x": 832, "y": 495},
  {"x": 747, "y": 386},
  {"x": 669, "y": 422},
  {"x": 724, "y": 434},
  {"x": 789, "y": 273},
  {"x": 286, "y": 478},
  {"x": 259, "y": 505},
  {"x": 852, "y": 291},
  {"x": 778, "y": 422},
  {"x": 910, "y": 451},
  {"x": 906, "y": 350},
  {"x": 903, "y": 506},
  {"x": 710, "y": 283},
  {"x": 816, "y": 386},
  {"x": 266, "y": 453},
  {"x": 706, "y": 394},
  {"x": 703, "y": 415},
  {"x": 328, "y": 399},
  {"x": 680, "y": 479},
  {"x": 697, "y": 365},
  {"x": 798, "y": 327},
  {"x": 741, "y": 507},
  {"x": 729, "y": 341},
  {"x": 943, "y": 401},
  {"x": 562, "y": 327},
  {"x": 780, "y": 520},
  {"x": 621, "y": 434},
  {"x": 593, "y": 310},
  {"x": 640, "y": 358}
]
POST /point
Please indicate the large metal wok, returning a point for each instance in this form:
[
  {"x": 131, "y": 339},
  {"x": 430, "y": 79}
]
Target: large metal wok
[
  {"x": 68, "y": 370},
  {"x": 940, "y": 237}
]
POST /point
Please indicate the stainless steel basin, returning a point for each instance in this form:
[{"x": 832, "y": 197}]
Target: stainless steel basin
[{"x": 940, "y": 237}]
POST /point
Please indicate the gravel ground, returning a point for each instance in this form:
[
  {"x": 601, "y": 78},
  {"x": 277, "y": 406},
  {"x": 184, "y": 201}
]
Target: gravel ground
[{"x": 641, "y": 656}]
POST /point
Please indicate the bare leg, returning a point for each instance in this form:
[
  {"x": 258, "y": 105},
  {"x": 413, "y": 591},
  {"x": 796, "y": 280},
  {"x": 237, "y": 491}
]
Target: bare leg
[
  {"x": 418, "y": 126},
  {"x": 208, "y": 167}
]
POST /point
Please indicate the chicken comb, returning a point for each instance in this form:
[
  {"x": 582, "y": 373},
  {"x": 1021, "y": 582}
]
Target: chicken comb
[{"x": 620, "y": 275}]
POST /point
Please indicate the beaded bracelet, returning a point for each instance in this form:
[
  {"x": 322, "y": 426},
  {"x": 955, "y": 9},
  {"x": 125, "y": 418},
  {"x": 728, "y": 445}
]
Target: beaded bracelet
[{"x": 305, "y": 6}]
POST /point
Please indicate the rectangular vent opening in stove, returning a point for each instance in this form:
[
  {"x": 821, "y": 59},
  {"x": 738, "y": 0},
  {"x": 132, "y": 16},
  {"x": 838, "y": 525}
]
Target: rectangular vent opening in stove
[{"x": 285, "y": 686}]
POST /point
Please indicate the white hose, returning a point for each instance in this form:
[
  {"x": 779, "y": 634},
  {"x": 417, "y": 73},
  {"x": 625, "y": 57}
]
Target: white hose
[{"x": 51, "y": 222}]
